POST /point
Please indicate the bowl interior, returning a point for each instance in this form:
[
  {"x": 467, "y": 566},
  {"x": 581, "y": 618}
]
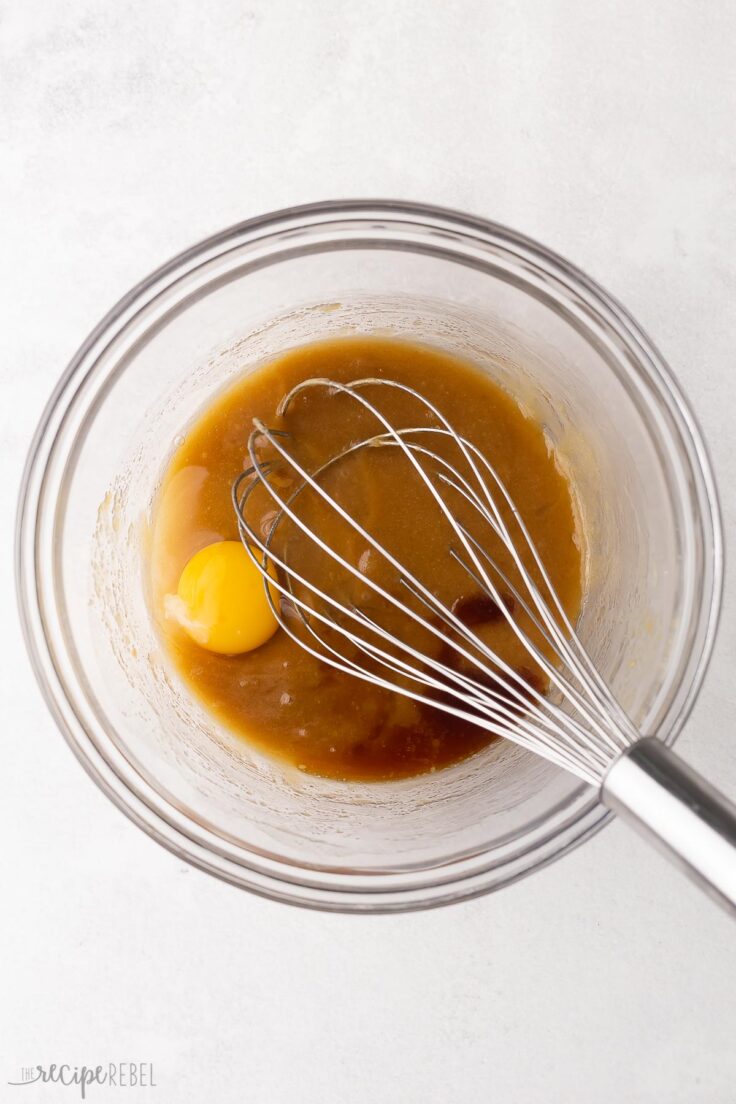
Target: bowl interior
[{"x": 614, "y": 431}]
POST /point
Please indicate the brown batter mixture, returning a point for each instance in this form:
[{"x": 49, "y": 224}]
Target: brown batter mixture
[{"x": 280, "y": 698}]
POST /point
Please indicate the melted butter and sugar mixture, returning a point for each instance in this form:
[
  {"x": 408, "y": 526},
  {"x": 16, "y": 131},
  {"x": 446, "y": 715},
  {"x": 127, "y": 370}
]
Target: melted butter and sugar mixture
[{"x": 209, "y": 599}]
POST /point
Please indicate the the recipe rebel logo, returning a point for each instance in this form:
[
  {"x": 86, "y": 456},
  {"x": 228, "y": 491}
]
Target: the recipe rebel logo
[{"x": 119, "y": 1075}]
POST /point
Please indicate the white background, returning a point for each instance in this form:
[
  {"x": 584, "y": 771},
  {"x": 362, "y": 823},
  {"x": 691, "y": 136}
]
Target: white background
[{"x": 131, "y": 130}]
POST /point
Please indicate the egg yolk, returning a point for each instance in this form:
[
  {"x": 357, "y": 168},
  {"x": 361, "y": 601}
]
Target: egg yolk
[{"x": 221, "y": 600}]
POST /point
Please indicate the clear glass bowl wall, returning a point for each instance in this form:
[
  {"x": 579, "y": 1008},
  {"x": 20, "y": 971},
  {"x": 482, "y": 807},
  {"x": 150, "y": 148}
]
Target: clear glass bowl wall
[{"x": 573, "y": 359}]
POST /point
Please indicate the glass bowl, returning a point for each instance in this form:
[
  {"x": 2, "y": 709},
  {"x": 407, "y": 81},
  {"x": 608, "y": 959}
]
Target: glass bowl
[{"x": 572, "y": 357}]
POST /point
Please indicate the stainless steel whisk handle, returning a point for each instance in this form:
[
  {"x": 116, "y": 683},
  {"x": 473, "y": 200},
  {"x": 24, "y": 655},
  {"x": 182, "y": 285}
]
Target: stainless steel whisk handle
[{"x": 679, "y": 812}]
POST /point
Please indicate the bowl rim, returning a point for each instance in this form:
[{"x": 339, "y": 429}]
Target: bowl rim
[{"x": 469, "y": 878}]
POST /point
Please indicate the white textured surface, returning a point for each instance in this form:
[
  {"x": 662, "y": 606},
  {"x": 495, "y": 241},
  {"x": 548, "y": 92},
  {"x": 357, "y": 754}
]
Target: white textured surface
[{"x": 131, "y": 130}]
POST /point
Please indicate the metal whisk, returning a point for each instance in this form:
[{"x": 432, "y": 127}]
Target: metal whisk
[{"x": 577, "y": 724}]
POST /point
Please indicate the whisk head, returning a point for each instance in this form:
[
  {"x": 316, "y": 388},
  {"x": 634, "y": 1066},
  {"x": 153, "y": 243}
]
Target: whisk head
[{"x": 358, "y": 602}]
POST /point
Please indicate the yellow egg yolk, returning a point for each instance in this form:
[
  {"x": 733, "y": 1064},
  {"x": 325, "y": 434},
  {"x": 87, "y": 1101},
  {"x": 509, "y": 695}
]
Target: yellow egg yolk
[{"x": 221, "y": 601}]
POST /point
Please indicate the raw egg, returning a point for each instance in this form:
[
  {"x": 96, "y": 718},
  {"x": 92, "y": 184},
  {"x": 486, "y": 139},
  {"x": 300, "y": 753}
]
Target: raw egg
[{"x": 221, "y": 600}]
